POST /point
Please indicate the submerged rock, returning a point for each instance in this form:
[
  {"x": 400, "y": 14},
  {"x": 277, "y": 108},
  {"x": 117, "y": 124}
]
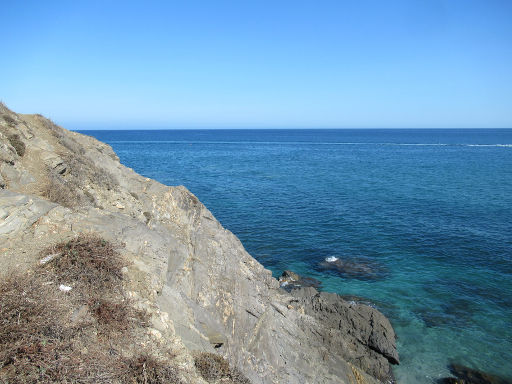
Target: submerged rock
[
  {"x": 466, "y": 375},
  {"x": 354, "y": 269},
  {"x": 455, "y": 313}
]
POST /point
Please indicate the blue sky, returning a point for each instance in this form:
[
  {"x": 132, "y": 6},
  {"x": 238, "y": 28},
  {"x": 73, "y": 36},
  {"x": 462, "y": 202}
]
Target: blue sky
[{"x": 238, "y": 64}]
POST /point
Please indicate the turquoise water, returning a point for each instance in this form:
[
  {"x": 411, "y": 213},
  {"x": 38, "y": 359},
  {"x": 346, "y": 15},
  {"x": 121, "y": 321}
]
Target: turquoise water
[{"x": 428, "y": 211}]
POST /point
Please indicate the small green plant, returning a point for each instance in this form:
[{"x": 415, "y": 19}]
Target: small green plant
[{"x": 18, "y": 145}]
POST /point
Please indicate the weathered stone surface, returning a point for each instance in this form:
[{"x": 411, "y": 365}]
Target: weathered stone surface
[
  {"x": 357, "y": 332},
  {"x": 204, "y": 290}
]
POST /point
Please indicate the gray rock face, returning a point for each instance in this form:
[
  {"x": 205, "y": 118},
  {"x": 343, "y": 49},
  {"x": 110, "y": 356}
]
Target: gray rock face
[
  {"x": 357, "y": 332},
  {"x": 209, "y": 293}
]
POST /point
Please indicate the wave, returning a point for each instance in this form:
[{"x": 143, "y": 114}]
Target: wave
[
  {"x": 489, "y": 145},
  {"x": 331, "y": 259}
]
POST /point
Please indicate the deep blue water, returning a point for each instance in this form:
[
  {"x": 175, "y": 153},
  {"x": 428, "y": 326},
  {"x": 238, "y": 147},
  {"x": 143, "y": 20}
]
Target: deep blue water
[{"x": 428, "y": 211}]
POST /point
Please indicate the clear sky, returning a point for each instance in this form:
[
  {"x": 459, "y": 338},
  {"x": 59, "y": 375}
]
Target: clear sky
[{"x": 282, "y": 64}]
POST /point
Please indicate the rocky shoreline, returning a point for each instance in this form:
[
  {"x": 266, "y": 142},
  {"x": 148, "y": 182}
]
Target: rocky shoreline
[
  {"x": 203, "y": 290},
  {"x": 203, "y": 294},
  {"x": 305, "y": 288}
]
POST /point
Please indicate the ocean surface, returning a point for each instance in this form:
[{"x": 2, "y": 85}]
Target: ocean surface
[{"x": 420, "y": 222}]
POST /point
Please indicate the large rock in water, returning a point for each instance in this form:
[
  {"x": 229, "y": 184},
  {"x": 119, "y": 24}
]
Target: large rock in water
[{"x": 209, "y": 293}]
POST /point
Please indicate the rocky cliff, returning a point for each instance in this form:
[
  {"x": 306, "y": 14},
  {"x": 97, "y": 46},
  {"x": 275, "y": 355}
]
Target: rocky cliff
[{"x": 204, "y": 292}]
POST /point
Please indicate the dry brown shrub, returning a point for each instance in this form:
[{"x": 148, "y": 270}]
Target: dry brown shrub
[
  {"x": 82, "y": 169},
  {"x": 146, "y": 369},
  {"x": 18, "y": 145},
  {"x": 59, "y": 191},
  {"x": 90, "y": 263},
  {"x": 93, "y": 266},
  {"x": 71, "y": 144},
  {"x": 120, "y": 316},
  {"x": 34, "y": 339},
  {"x": 237, "y": 377},
  {"x": 42, "y": 342},
  {"x": 213, "y": 367},
  {"x": 9, "y": 120}
]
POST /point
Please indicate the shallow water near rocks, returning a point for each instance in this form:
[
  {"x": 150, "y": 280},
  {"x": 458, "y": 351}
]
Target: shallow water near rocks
[{"x": 427, "y": 213}]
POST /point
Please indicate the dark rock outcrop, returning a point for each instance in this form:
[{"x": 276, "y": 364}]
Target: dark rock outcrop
[{"x": 358, "y": 332}]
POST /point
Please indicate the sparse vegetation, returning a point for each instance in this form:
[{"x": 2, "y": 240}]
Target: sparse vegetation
[
  {"x": 9, "y": 120},
  {"x": 32, "y": 338},
  {"x": 148, "y": 370},
  {"x": 59, "y": 191},
  {"x": 69, "y": 189},
  {"x": 213, "y": 367},
  {"x": 90, "y": 262},
  {"x": 18, "y": 145},
  {"x": 64, "y": 139},
  {"x": 43, "y": 340},
  {"x": 82, "y": 168}
]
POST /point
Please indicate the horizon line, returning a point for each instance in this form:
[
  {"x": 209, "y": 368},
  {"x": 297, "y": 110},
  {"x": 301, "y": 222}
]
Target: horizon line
[{"x": 277, "y": 129}]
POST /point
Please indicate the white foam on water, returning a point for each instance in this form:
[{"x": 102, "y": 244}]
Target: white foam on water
[
  {"x": 331, "y": 259},
  {"x": 489, "y": 145}
]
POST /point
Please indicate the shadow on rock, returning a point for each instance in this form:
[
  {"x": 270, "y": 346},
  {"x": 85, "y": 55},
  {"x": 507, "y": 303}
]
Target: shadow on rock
[
  {"x": 465, "y": 375},
  {"x": 354, "y": 269}
]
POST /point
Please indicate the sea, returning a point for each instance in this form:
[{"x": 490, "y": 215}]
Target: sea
[{"x": 417, "y": 222}]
